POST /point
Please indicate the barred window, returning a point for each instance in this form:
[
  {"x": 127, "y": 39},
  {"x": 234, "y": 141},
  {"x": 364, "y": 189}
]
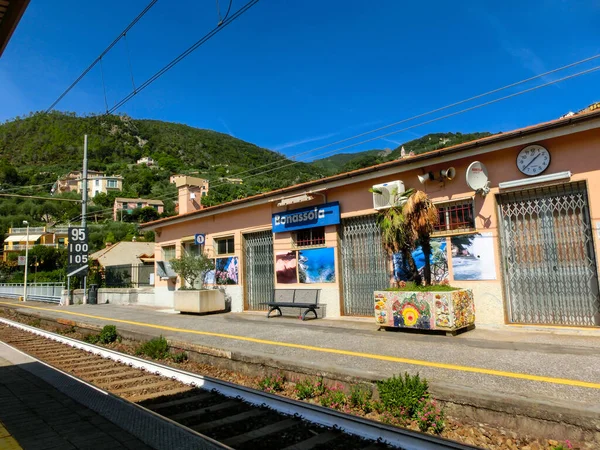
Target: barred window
[
  {"x": 310, "y": 236},
  {"x": 455, "y": 216}
]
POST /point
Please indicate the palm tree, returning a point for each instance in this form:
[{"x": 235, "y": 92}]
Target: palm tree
[
  {"x": 421, "y": 216},
  {"x": 397, "y": 236}
]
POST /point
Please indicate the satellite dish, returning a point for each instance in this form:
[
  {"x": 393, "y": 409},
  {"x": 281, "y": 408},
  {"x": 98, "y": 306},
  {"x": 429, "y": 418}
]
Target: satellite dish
[{"x": 477, "y": 177}]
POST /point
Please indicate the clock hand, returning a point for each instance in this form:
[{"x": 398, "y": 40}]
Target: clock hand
[{"x": 531, "y": 162}]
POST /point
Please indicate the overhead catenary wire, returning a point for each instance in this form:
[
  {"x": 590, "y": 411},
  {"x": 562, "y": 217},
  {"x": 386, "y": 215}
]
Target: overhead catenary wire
[
  {"x": 104, "y": 52},
  {"x": 455, "y": 113},
  {"x": 428, "y": 113},
  {"x": 56, "y": 199},
  {"x": 183, "y": 55}
]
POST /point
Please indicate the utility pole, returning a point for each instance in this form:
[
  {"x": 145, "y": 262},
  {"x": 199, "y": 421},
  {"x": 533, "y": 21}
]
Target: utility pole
[
  {"x": 84, "y": 199},
  {"x": 25, "y": 222}
]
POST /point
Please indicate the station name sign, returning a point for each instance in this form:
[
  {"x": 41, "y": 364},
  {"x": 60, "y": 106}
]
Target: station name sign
[{"x": 313, "y": 216}]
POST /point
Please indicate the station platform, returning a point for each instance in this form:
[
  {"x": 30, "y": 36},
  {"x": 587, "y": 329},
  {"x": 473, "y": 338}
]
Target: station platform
[
  {"x": 42, "y": 408},
  {"x": 35, "y": 415},
  {"x": 554, "y": 370}
]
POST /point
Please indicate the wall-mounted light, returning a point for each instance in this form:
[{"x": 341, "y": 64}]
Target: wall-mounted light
[
  {"x": 535, "y": 180},
  {"x": 297, "y": 199}
]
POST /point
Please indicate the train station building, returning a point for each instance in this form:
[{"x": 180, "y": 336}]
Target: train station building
[{"x": 519, "y": 225}]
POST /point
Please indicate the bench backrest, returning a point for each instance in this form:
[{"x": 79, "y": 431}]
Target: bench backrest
[{"x": 296, "y": 296}]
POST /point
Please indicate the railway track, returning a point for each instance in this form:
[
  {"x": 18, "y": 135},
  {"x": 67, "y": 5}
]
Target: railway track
[{"x": 235, "y": 416}]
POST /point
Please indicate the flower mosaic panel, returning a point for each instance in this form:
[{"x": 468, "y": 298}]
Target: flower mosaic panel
[
  {"x": 425, "y": 310},
  {"x": 464, "y": 308}
]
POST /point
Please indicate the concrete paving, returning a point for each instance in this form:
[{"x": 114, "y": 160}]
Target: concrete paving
[
  {"x": 524, "y": 364},
  {"x": 34, "y": 415}
]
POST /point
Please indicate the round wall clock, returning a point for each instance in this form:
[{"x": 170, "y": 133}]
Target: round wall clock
[{"x": 533, "y": 160}]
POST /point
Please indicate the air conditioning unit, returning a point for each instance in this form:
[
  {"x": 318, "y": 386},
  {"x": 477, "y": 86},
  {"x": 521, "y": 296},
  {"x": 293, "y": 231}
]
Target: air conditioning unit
[{"x": 384, "y": 194}]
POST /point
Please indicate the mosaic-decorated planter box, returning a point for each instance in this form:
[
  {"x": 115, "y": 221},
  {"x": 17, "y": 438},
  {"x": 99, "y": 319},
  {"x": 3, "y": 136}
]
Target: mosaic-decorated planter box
[{"x": 448, "y": 311}]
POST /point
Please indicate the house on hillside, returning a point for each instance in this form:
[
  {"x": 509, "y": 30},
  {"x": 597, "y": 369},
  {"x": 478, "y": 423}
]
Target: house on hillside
[
  {"x": 125, "y": 264},
  {"x": 147, "y": 160},
  {"x": 127, "y": 205},
  {"x": 97, "y": 182},
  {"x": 518, "y": 225},
  {"x": 17, "y": 240}
]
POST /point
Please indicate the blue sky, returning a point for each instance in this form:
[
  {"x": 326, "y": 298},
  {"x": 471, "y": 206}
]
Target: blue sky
[{"x": 292, "y": 76}]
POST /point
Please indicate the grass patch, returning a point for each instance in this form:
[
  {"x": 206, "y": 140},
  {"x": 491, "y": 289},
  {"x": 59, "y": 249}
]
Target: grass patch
[
  {"x": 159, "y": 348},
  {"x": 417, "y": 288},
  {"x": 108, "y": 335}
]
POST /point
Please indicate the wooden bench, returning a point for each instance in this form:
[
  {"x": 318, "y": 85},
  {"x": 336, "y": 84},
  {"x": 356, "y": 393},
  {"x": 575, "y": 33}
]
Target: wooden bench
[{"x": 294, "y": 298}]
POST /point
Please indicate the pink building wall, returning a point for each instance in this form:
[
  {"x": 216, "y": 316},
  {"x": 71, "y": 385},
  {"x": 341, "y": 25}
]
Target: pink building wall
[{"x": 578, "y": 153}]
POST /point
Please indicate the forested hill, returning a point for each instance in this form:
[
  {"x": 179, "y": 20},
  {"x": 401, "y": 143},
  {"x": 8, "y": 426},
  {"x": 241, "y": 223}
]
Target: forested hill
[
  {"x": 37, "y": 149},
  {"x": 56, "y": 139}
]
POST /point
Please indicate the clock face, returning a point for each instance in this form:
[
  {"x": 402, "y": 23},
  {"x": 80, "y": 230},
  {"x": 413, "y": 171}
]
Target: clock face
[{"x": 533, "y": 160}]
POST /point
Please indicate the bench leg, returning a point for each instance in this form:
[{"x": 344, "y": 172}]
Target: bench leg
[
  {"x": 307, "y": 311},
  {"x": 275, "y": 308}
]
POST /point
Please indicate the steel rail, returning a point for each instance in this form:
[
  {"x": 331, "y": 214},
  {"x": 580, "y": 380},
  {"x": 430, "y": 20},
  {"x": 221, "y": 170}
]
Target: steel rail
[{"x": 365, "y": 428}]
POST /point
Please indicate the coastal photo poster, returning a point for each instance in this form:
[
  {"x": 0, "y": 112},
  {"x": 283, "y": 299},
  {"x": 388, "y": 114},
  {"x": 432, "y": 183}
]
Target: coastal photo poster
[
  {"x": 473, "y": 257},
  {"x": 438, "y": 261},
  {"x": 286, "y": 265},
  {"x": 226, "y": 270},
  {"x": 316, "y": 265}
]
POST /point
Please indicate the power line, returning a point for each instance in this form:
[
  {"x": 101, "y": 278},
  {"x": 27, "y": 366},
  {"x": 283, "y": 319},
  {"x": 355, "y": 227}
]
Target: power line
[
  {"x": 433, "y": 111},
  {"x": 99, "y": 57},
  {"x": 584, "y": 72},
  {"x": 27, "y": 187},
  {"x": 41, "y": 198},
  {"x": 183, "y": 55}
]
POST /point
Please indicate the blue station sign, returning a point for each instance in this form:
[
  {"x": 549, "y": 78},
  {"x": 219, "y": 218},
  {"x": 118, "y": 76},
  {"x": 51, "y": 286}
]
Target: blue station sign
[{"x": 313, "y": 216}]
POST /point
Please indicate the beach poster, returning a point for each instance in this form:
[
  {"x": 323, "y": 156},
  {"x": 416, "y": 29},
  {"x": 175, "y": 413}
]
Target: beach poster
[
  {"x": 316, "y": 265},
  {"x": 438, "y": 259},
  {"x": 473, "y": 257}
]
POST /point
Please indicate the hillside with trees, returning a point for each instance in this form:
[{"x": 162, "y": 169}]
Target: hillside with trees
[{"x": 38, "y": 149}]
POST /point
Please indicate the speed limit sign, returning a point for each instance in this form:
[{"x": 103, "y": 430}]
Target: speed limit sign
[{"x": 78, "y": 251}]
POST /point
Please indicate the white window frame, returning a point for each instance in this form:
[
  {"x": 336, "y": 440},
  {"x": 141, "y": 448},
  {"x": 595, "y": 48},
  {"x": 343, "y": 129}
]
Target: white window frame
[
  {"x": 223, "y": 238},
  {"x": 164, "y": 251}
]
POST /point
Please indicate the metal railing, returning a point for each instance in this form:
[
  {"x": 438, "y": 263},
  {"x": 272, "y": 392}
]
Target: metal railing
[
  {"x": 21, "y": 247},
  {"x": 42, "y": 292},
  {"x": 23, "y": 230}
]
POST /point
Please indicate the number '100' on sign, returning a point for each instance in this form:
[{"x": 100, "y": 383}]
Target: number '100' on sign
[{"x": 78, "y": 251}]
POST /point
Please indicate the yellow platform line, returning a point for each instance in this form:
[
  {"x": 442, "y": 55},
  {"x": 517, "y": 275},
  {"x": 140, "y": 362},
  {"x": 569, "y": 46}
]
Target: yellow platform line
[
  {"x": 7, "y": 442},
  {"x": 396, "y": 359}
]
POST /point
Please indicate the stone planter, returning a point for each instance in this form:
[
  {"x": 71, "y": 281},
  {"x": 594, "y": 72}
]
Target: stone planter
[
  {"x": 449, "y": 311},
  {"x": 199, "y": 301}
]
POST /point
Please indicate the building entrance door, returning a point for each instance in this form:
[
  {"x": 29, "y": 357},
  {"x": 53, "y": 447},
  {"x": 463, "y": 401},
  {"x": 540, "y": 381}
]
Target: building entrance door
[
  {"x": 364, "y": 264},
  {"x": 548, "y": 256},
  {"x": 259, "y": 269}
]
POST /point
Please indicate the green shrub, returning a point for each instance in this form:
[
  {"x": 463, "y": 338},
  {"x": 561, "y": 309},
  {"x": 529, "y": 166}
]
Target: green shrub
[
  {"x": 91, "y": 338},
  {"x": 179, "y": 357},
  {"x": 155, "y": 348},
  {"x": 360, "y": 397},
  {"x": 430, "y": 416},
  {"x": 411, "y": 286},
  {"x": 108, "y": 335},
  {"x": 334, "y": 398},
  {"x": 403, "y": 395},
  {"x": 272, "y": 383},
  {"x": 307, "y": 388}
]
